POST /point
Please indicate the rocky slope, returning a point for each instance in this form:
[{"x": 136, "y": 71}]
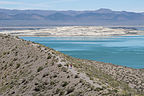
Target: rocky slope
[{"x": 30, "y": 69}]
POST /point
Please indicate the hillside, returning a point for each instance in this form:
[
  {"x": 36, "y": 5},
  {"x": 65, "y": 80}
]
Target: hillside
[
  {"x": 30, "y": 69},
  {"x": 70, "y": 17}
]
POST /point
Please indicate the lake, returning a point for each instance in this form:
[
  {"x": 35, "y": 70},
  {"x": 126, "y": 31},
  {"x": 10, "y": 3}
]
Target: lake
[{"x": 124, "y": 50}]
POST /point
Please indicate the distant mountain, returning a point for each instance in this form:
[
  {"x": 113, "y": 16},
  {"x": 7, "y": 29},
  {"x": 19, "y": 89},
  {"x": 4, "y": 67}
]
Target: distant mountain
[
  {"x": 23, "y": 16},
  {"x": 59, "y": 16},
  {"x": 70, "y": 17},
  {"x": 4, "y": 16},
  {"x": 103, "y": 10}
]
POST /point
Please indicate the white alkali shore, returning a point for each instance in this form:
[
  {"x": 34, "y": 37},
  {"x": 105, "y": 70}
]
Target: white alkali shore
[{"x": 75, "y": 31}]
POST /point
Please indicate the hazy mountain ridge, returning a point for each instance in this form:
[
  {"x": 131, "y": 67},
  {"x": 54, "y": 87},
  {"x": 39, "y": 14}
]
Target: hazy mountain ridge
[{"x": 101, "y": 16}]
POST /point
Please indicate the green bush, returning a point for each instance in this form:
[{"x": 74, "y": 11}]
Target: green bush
[
  {"x": 70, "y": 90},
  {"x": 17, "y": 66},
  {"x": 59, "y": 65},
  {"x": 52, "y": 83},
  {"x": 45, "y": 75},
  {"x": 64, "y": 69},
  {"x": 49, "y": 57},
  {"x": 76, "y": 76},
  {"x": 58, "y": 90},
  {"x": 55, "y": 76},
  {"x": 39, "y": 69},
  {"x": 61, "y": 93},
  {"x": 64, "y": 84}
]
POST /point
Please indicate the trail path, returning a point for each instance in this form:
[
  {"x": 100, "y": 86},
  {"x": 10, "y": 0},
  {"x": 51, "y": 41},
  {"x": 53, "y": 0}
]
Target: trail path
[
  {"x": 72, "y": 70},
  {"x": 84, "y": 77},
  {"x": 81, "y": 75}
]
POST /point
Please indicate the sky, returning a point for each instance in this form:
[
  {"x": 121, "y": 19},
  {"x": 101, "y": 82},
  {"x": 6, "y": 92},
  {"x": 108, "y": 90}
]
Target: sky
[{"x": 117, "y": 5}]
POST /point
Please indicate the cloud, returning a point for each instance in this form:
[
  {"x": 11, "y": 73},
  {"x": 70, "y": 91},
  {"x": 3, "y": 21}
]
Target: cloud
[
  {"x": 59, "y": 1},
  {"x": 50, "y": 4},
  {"x": 9, "y": 3}
]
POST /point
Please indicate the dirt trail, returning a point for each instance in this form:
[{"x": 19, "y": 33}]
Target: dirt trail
[
  {"x": 84, "y": 77},
  {"x": 81, "y": 75}
]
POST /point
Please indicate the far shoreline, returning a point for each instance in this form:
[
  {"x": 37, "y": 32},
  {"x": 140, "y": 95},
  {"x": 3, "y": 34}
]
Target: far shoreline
[
  {"x": 77, "y": 36},
  {"x": 74, "y": 31}
]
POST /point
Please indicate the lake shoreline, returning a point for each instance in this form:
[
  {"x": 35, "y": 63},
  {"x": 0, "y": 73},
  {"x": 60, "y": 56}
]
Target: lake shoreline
[
  {"x": 72, "y": 31},
  {"x": 103, "y": 49}
]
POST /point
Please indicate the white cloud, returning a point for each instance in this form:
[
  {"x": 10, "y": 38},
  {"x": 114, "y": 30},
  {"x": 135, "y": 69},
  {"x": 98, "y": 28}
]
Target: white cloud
[
  {"x": 59, "y": 1},
  {"x": 50, "y": 4},
  {"x": 9, "y": 3}
]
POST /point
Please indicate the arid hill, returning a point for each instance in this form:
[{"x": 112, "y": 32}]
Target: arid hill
[{"x": 30, "y": 69}]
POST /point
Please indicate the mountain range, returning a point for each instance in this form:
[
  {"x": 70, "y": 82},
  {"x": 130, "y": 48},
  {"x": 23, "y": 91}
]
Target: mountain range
[{"x": 70, "y": 17}]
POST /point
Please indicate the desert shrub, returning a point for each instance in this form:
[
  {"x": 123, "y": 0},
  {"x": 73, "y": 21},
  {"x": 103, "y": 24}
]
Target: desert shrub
[
  {"x": 17, "y": 37},
  {"x": 5, "y": 67},
  {"x": 64, "y": 84},
  {"x": 59, "y": 65},
  {"x": 28, "y": 56},
  {"x": 45, "y": 83},
  {"x": 16, "y": 53},
  {"x": 39, "y": 69},
  {"x": 53, "y": 53},
  {"x": 98, "y": 89},
  {"x": 52, "y": 63},
  {"x": 26, "y": 62},
  {"x": 46, "y": 63},
  {"x": 15, "y": 59},
  {"x": 45, "y": 74},
  {"x": 70, "y": 90},
  {"x": 11, "y": 64},
  {"x": 72, "y": 95},
  {"x": 115, "y": 90},
  {"x": 57, "y": 91},
  {"x": 49, "y": 57},
  {"x": 61, "y": 93},
  {"x": 91, "y": 78},
  {"x": 88, "y": 74},
  {"x": 39, "y": 87},
  {"x": 76, "y": 76},
  {"x": 4, "y": 53},
  {"x": 55, "y": 76},
  {"x": 92, "y": 88},
  {"x": 52, "y": 83},
  {"x": 82, "y": 81},
  {"x": 64, "y": 69},
  {"x": 17, "y": 66},
  {"x": 68, "y": 76},
  {"x": 78, "y": 93}
]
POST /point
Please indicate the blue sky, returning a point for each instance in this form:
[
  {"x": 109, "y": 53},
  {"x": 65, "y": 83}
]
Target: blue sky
[{"x": 127, "y": 5}]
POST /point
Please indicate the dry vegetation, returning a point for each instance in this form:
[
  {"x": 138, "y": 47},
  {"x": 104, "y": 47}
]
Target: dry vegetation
[{"x": 30, "y": 69}]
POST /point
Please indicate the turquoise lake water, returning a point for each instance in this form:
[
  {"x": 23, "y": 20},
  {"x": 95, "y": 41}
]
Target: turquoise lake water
[{"x": 125, "y": 50}]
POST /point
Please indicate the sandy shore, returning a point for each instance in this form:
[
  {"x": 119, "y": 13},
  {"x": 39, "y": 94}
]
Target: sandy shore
[{"x": 75, "y": 31}]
